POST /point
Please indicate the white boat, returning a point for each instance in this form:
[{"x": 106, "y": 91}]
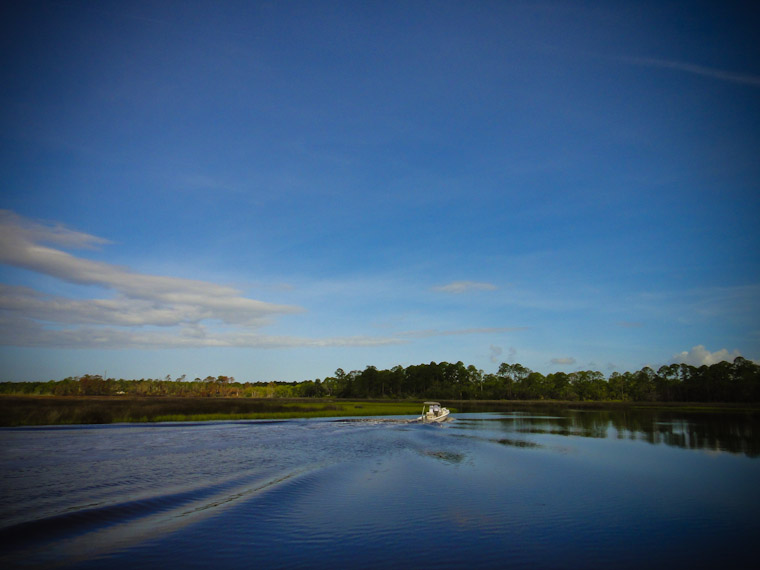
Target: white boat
[{"x": 433, "y": 412}]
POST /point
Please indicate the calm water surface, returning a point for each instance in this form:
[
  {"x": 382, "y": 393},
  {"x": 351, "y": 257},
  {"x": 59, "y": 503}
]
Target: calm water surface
[{"x": 570, "y": 489}]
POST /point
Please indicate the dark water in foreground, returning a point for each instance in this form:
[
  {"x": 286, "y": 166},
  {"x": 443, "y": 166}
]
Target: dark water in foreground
[{"x": 574, "y": 489}]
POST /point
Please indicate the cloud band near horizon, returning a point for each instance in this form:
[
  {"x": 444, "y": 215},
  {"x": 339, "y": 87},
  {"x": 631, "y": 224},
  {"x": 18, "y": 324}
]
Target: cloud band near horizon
[{"x": 145, "y": 311}]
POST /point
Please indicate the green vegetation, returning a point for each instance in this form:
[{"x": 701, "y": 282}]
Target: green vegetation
[
  {"x": 92, "y": 399},
  {"x": 737, "y": 381},
  {"x": 46, "y": 410}
]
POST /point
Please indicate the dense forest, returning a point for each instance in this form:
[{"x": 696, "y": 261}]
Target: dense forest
[{"x": 738, "y": 381}]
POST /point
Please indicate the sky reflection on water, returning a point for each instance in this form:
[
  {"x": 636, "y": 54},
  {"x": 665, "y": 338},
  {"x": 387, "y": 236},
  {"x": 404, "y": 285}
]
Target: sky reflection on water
[
  {"x": 553, "y": 490},
  {"x": 734, "y": 432}
]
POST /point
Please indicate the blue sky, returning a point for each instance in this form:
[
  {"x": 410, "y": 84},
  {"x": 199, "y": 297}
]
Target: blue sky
[{"x": 273, "y": 190}]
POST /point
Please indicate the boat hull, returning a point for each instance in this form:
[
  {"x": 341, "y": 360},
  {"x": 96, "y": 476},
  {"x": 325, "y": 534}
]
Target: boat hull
[{"x": 432, "y": 419}]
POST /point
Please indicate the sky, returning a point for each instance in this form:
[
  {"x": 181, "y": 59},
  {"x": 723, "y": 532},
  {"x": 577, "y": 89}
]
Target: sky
[{"x": 274, "y": 190}]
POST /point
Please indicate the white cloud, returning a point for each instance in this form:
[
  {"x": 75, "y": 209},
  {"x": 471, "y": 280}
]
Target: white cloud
[
  {"x": 15, "y": 229},
  {"x": 142, "y": 311},
  {"x": 29, "y": 333},
  {"x": 140, "y": 299},
  {"x": 564, "y": 361},
  {"x": 121, "y": 311},
  {"x": 459, "y": 287},
  {"x": 699, "y": 356}
]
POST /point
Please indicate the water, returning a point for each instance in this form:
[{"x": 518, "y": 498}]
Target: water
[{"x": 571, "y": 489}]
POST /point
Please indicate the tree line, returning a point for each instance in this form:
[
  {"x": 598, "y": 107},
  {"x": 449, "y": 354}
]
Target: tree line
[{"x": 737, "y": 381}]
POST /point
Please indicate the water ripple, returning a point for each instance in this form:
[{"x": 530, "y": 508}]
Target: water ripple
[{"x": 484, "y": 492}]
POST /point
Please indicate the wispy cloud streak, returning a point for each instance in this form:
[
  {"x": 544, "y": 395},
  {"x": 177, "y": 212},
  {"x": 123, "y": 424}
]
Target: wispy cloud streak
[
  {"x": 29, "y": 333},
  {"x": 563, "y": 361},
  {"x": 458, "y": 332},
  {"x": 711, "y": 72},
  {"x": 459, "y": 287}
]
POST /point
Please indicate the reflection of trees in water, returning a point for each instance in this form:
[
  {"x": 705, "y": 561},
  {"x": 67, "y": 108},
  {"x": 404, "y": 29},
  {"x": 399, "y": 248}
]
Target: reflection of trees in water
[
  {"x": 519, "y": 443},
  {"x": 445, "y": 456},
  {"x": 734, "y": 432}
]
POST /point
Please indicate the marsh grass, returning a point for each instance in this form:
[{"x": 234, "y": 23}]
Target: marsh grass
[
  {"x": 46, "y": 410},
  {"x": 67, "y": 410}
]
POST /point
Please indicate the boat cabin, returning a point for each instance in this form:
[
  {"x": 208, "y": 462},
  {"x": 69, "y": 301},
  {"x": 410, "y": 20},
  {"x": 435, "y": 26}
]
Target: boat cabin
[{"x": 433, "y": 412}]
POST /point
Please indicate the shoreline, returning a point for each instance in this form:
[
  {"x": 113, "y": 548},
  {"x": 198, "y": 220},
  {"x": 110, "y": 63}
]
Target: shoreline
[{"x": 20, "y": 411}]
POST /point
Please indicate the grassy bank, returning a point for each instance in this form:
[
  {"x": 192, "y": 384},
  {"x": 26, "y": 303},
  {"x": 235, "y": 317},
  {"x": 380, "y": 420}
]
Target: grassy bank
[{"x": 52, "y": 410}]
